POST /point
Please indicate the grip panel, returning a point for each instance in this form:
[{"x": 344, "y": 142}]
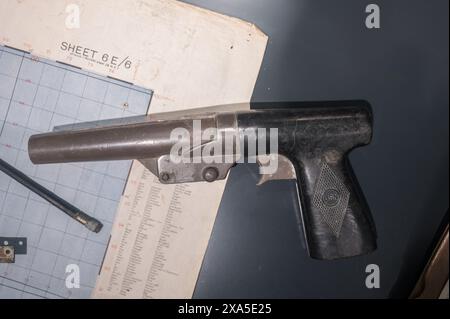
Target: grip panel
[
  {"x": 316, "y": 138},
  {"x": 336, "y": 217}
]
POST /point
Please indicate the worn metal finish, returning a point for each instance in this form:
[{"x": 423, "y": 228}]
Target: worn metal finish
[
  {"x": 7, "y": 255},
  {"x": 117, "y": 142},
  {"x": 10, "y": 247},
  {"x": 315, "y": 140},
  {"x": 172, "y": 173}
]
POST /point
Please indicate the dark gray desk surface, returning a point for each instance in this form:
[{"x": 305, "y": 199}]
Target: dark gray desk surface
[{"x": 321, "y": 50}]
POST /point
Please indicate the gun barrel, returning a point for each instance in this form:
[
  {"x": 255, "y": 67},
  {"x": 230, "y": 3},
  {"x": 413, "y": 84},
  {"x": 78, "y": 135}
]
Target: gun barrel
[{"x": 121, "y": 142}]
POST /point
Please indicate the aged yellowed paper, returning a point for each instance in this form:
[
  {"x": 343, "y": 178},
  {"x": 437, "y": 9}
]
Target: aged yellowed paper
[{"x": 191, "y": 58}]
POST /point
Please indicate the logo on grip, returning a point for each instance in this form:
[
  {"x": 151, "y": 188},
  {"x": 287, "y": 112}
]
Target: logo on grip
[{"x": 331, "y": 198}]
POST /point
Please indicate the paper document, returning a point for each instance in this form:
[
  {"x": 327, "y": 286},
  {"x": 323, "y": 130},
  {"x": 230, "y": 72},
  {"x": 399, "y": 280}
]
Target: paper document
[
  {"x": 154, "y": 249},
  {"x": 190, "y": 57}
]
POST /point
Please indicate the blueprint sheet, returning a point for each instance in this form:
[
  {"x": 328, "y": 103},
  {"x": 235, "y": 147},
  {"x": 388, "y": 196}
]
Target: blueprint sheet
[{"x": 35, "y": 96}]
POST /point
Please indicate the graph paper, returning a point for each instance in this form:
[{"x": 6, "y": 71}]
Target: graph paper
[{"x": 35, "y": 96}]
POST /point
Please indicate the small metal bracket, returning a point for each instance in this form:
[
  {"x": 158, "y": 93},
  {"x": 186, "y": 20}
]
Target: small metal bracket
[
  {"x": 188, "y": 168},
  {"x": 169, "y": 172},
  {"x": 10, "y": 247}
]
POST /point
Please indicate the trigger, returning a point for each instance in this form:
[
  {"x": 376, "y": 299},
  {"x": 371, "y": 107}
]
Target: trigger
[{"x": 274, "y": 167}]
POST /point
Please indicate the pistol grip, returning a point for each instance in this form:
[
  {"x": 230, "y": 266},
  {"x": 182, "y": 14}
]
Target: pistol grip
[{"x": 336, "y": 218}]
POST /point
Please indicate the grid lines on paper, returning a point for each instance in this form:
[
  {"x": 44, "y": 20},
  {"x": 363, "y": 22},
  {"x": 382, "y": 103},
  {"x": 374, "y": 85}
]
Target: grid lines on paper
[{"x": 35, "y": 96}]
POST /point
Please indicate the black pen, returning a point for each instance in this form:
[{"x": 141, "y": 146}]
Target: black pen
[{"x": 89, "y": 222}]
